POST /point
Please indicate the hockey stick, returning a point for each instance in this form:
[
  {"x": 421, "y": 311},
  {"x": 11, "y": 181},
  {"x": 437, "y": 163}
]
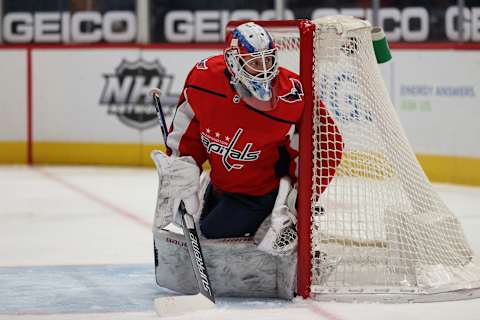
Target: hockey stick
[{"x": 180, "y": 304}]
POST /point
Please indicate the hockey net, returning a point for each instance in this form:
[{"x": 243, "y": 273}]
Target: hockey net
[{"x": 371, "y": 227}]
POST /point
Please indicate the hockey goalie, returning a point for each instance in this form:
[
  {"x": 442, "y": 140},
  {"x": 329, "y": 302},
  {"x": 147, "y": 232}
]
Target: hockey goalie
[{"x": 239, "y": 111}]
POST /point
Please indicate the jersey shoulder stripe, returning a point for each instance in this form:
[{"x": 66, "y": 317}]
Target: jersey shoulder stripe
[{"x": 206, "y": 90}]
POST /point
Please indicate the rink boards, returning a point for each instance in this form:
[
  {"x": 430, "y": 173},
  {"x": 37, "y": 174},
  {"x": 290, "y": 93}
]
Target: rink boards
[{"x": 88, "y": 105}]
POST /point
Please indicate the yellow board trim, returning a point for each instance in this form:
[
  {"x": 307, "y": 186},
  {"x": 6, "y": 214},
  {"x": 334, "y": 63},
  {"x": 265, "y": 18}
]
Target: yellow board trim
[
  {"x": 365, "y": 164},
  {"x": 13, "y": 152},
  {"x": 117, "y": 154},
  {"x": 459, "y": 170}
]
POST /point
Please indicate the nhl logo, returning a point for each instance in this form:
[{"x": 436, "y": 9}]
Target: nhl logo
[
  {"x": 125, "y": 93},
  {"x": 236, "y": 99}
]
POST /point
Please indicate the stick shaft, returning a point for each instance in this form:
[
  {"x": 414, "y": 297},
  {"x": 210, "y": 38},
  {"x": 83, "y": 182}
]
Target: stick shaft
[
  {"x": 188, "y": 225},
  {"x": 161, "y": 117}
]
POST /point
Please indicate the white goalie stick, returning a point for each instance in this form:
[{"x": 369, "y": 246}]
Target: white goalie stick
[{"x": 205, "y": 299}]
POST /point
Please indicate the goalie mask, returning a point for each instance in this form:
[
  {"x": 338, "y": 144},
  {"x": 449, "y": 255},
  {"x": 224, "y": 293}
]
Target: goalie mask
[{"x": 251, "y": 59}]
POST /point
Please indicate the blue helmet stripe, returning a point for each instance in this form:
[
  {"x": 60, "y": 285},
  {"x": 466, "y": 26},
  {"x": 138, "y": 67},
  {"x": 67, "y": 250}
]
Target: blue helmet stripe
[
  {"x": 237, "y": 34},
  {"x": 270, "y": 42}
]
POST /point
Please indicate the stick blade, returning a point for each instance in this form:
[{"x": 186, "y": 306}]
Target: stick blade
[{"x": 177, "y": 305}]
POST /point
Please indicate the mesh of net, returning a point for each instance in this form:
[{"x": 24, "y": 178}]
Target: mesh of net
[{"x": 378, "y": 223}]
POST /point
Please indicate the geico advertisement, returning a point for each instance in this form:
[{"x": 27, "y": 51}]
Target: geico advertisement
[
  {"x": 13, "y": 95},
  {"x": 102, "y": 95},
  {"x": 410, "y": 24},
  {"x": 66, "y": 27},
  {"x": 437, "y": 94}
]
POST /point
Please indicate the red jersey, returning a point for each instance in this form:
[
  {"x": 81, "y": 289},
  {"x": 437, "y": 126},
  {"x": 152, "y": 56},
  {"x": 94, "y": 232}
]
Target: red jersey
[{"x": 248, "y": 150}]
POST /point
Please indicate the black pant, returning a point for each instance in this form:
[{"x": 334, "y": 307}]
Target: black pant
[{"x": 231, "y": 215}]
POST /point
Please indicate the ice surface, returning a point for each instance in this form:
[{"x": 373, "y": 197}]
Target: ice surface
[{"x": 75, "y": 243}]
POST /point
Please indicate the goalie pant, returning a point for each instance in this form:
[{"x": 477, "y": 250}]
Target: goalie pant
[{"x": 227, "y": 214}]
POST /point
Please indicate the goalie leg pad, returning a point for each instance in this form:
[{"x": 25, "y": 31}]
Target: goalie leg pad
[{"x": 236, "y": 267}]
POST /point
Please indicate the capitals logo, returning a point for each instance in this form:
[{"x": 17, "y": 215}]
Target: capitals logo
[
  {"x": 296, "y": 92},
  {"x": 226, "y": 148},
  {"x": 125, "y": 92}
]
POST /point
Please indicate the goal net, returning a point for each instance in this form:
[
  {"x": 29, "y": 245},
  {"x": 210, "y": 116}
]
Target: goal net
[{"x": 371, "y": 226}]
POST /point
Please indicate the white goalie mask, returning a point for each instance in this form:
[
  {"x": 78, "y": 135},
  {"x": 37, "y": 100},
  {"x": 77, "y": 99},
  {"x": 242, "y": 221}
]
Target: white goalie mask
[{"x": 251, "y": 59}]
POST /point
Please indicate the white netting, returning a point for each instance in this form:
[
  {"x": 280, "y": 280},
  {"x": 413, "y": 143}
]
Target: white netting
[{"x": 378, "y": 227}]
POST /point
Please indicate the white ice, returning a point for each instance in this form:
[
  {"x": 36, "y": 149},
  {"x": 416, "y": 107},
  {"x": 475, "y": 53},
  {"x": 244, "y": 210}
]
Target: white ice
[{"x": 75, "y": 243}]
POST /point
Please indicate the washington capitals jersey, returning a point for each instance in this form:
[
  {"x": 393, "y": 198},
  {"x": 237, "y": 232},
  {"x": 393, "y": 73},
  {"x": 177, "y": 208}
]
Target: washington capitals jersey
[{"x": 248, "y": 150}]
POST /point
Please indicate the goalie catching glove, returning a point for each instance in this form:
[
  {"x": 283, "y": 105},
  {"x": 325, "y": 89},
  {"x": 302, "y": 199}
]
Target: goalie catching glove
[
  {"x": 281, "y": 237},
  {"x": 178, "y": 180}
]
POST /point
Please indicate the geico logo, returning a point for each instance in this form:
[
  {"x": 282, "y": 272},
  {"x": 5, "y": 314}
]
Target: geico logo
[
  {"x": 209, "y": 25},
  {"x": 408, "y": 24},
  {"x": 413, "y": 23},
  {"x": 471, "y": 24},
  {"x": 84, "y": 26}
]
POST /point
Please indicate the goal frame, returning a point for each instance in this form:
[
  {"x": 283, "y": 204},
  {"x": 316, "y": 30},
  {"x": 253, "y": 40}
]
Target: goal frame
[{"x": 410, "y": 268}]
